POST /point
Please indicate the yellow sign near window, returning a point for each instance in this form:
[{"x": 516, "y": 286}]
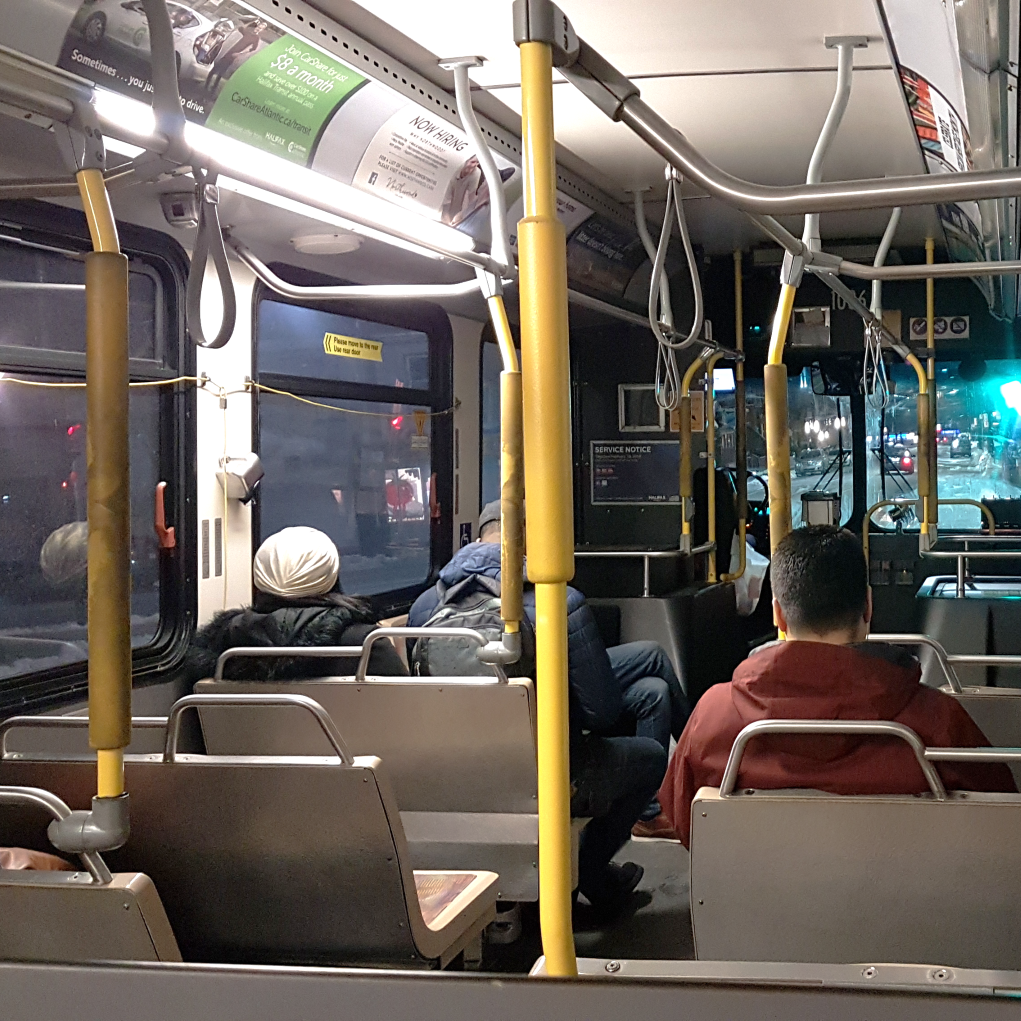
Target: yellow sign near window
[{"x": 353, "y": 347}]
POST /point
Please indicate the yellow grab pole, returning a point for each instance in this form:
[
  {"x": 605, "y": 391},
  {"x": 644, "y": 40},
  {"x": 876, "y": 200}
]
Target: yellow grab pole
[
  {"x": 740, "y": 426},
  {"x": 710, "y": 459},
  {"x": 512, "y": 492},
  {"x": 926, "y": 448},
  {"x": 542, "y": 268},
  {"x": 930, "y": 341},
  {"x": 109, "y": 508},
  {"x": 685, "y": 484},
  {"x": 778, "y": 439}
]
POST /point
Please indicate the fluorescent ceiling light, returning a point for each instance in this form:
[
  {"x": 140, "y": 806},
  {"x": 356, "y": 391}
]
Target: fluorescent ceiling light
[
  {"x": 287, "y": 184},
  {"x": 301, "y": 209},
  {"x": 262, "y": 169}
]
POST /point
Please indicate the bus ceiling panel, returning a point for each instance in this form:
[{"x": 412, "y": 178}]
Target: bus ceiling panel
[
  {"x": 760, "y": 127},
  {"x": 659, "y": 38}
]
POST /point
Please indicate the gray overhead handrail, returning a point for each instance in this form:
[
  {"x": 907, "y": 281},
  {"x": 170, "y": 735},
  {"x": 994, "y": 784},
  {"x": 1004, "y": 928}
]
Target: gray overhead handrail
[
  {"x": 845, "y": 47},
  {"x": 323, "y": 718},
  {"x": 59, "y": 810},
  {"x": 422, "y": 632},
  {"x": 941, "y": 654},
  {"x": 346, "y": 291},
  {"x": 283, "y": 651},
  {"x": 499, "y": 244},
  {"x": 66, "y": 722},
  {"x": 883, "y": 728}
]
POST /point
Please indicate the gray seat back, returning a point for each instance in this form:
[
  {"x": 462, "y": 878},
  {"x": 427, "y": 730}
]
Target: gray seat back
[
  {"x": 257, "y": 859},
  {"x": 75, "y": 917},
  {"x": 450, "y": 744},
  {"x": 812, "y": 877}
]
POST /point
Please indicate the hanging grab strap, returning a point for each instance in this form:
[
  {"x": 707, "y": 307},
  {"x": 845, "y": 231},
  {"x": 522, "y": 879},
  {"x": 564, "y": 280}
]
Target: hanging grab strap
[{"x": 209, "y": 242}]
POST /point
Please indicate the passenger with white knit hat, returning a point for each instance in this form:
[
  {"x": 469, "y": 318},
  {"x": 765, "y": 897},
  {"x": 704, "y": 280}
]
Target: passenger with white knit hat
[{"x": 297, "y": 601}]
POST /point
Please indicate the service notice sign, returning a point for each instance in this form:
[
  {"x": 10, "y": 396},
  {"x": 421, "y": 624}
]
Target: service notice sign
[{"x": 634, "y": 471}]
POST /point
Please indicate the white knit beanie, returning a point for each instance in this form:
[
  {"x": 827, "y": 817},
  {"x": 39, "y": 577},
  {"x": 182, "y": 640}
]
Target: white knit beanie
[{"x": 297, "y": 562}]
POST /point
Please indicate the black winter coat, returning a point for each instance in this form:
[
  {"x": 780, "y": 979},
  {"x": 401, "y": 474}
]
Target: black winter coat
[{"x": 332, "y": 619}]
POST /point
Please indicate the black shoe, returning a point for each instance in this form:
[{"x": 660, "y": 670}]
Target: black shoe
[{"x": 619, "y": 882}]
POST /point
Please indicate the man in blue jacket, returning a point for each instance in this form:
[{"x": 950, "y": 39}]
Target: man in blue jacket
[{"x": 614, "y": 778}]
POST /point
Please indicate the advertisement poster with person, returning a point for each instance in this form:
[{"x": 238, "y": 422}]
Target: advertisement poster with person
[{"x": 237, "y": 73}]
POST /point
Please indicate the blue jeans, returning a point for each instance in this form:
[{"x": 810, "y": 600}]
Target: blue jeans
[
  {"x": 612, "y": 779},
  {"x": 655, "y": 705}
]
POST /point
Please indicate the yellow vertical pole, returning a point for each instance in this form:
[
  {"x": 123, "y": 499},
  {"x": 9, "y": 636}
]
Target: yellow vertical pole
[
  {"x": 778, "y": 439},
  {"x": 740, "y": 425},
  {"x": 685, "y": 484},
  {"x": 106, "y": 454},
  {"x": 542, "y": 266},
  {"x": 710, "y": 458},
  {"x": 511, "y": 472},
  {"x": 932, "y": 517}
]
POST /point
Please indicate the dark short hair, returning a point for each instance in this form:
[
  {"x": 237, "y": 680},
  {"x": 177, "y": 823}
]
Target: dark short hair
[{"x": 820, "y": 578}]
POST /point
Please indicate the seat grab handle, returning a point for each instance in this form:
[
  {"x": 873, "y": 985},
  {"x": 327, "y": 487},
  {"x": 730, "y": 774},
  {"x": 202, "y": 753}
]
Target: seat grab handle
[
  {"x": 40, "y": 798},
  {"x": 422, "y": 632},
  {"x": 283, "y": 651},
  {"x": 323, "y": 718},
  {"x": 885, "y": 728}
]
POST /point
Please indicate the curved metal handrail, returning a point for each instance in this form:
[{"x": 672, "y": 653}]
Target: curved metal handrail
[
  {"x": 907, "y": 501},
  {"x": 323, "y": 718},
  {"x": 942, "y": 657},
  {"x": 282, "y": 651},
  {"x": 422, "y": 632},
  {"x": 883, "y": 728},
  {"x": 40, "y": 798}
]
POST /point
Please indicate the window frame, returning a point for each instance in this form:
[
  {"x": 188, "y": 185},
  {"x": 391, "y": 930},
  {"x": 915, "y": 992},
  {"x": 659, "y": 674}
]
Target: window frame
[
  {"x": 423, "y": 317},
  {"x": 55, "y": 228}
]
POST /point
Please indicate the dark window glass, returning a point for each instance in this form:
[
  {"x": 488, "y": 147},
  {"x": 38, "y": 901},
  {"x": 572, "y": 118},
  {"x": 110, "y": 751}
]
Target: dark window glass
[
  {"x": 42, "y": 294},
  {"x": 299, "y": 341},
  {"x": 43, "y": 533},
  {"x": 360, "y": 472}
]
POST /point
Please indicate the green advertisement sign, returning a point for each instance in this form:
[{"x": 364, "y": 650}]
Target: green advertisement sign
[{"x": 282, "y": 97}]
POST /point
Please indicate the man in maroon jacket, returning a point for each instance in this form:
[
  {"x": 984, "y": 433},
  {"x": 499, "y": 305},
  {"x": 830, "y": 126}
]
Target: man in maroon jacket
[{"x": 825, "y": 670}]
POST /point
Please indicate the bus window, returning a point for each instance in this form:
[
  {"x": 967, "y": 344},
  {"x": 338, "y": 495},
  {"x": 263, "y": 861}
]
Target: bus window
[
  {"x": 358, "y": 462},
  {"x": 978, "y": 443},
  {"x": 43, "y": 431},
  {"x": 358, "y": 471},
  {"x": 489, "y": 453},
  {"x": 821, "y": 441}
]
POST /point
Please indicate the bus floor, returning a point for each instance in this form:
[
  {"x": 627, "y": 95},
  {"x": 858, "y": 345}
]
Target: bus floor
[{"x": 656, "y": 925}]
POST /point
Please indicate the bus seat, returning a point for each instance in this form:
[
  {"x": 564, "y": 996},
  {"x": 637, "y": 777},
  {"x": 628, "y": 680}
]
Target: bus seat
[
  {"x": 459, "y": 752},
  {"x": 76, "y": 917},
  {"x": 280, "y": 860},
  {"x": 400, "y": 644},
  {"x": 812, "y": 877},
  {"x": 997, "y": 713}
]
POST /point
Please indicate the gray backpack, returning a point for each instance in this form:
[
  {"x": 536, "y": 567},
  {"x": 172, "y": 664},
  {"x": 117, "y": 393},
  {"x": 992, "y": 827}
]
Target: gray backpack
[{"x": 473, "y": 603}]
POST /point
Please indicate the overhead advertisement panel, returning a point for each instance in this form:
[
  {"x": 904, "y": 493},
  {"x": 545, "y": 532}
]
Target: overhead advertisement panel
[
  {"x": 243, "y": 76},
  {"x": 936, "y": 86}
]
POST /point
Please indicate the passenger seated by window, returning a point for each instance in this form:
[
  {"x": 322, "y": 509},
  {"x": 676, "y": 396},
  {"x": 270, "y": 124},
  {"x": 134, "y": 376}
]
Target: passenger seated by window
[
  {"x": 613, "y": 777},
  {"x": 824, "y": 671},
  {"x": 298, "y": 601}
]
